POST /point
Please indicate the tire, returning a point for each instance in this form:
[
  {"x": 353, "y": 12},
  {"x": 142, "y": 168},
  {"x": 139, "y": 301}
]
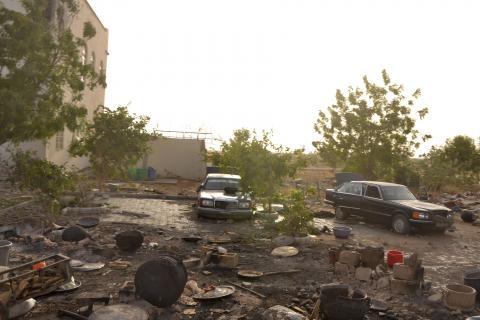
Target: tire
[
  {"x": 400, "y": 224},
  {"x": 440, "y": 230},
  {"x": 340, "y": 214}
]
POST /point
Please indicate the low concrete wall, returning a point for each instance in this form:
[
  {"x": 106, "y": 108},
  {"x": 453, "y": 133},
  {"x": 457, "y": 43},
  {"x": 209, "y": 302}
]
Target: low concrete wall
[{"x": 177, "y": 158}]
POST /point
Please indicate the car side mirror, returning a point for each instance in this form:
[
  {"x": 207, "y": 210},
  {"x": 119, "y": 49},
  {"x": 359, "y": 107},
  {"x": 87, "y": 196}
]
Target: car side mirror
[{"x": 199, "y": 188}]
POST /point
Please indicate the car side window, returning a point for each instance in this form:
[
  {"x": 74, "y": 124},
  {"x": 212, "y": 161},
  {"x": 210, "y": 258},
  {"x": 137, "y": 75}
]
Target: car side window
[
  {"x": 356, "y": 188},
  {"x": 344, "y": 188},
  {"x": 373, "y": 192}
]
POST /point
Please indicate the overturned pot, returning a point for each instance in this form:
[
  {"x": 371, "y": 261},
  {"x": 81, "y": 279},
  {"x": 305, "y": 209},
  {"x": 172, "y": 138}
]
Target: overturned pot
[
  {"x": 74, "y": 234},
  {"x": 161, "y": 281},
  {"x": 472, "y": 279},
  {"x": 460, "y": 297},
  {"x": 339, "y": 302},
  {"x": 129, "y": 241}
]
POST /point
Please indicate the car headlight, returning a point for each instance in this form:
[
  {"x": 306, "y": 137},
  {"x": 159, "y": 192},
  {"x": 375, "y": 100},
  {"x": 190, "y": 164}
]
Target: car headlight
[
  {"x": 206, "y": 203},
  {"x": 244, "y": 205},
  {"x": 420, "y": 215}
]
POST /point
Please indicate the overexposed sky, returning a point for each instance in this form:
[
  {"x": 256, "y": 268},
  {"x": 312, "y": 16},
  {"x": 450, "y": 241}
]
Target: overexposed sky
[{"x": 222, "y": 65}]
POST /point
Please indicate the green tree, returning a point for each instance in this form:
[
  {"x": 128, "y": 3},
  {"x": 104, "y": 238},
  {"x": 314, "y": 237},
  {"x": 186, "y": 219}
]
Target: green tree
[
  {"x": 113, "y": 142},
  {"x": 262, "y": 164},
  {"x": 457, "y": 163},
  {"x": 42, "y": 72},
  {"x": 44, "y": 178},
  {"x": 435, "y": 170},
  {"x": 371, "y": 129},
  {"x": 297, "y": 218}
]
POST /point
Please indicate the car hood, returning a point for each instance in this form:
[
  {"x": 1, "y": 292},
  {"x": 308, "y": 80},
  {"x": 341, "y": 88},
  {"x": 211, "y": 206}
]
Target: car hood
[
  {"x": 220, "y": 195},
  {"x": 420, "y": 205}
]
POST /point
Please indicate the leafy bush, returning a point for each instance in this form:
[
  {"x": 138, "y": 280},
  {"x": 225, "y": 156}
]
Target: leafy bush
[
  {"x": 48, "y": 180},
  {"x": 297, "y": 218}
]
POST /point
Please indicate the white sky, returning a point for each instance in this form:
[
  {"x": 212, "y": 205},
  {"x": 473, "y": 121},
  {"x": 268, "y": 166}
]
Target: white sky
[{"x": 222, "y": 65}]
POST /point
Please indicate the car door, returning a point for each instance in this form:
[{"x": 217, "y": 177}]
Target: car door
[
  {"x": 354, "y": 197},
  {"x": 348, "y": 196},
  {"x": 373, "y": 204}
]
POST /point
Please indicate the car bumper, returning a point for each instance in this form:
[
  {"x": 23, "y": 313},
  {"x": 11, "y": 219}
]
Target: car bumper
[
  {"x": 440, "y": 223},
  {"x": 224, "y": 214}
]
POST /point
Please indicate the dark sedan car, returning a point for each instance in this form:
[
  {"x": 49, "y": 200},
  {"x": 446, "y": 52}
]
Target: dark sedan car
[{"x": 389, "y": 203}]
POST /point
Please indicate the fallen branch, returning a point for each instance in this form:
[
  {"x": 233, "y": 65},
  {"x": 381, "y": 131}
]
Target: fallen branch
[{"x": 247, "y": 289}]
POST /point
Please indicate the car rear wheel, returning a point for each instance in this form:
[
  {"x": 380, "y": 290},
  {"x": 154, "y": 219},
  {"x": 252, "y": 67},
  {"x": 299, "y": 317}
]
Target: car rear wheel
[
  {"x": 340, "y": 213},
  {"x": 400, "y": 224}
]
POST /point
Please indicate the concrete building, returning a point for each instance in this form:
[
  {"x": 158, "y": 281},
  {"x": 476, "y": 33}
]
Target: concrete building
[
  {"x": 55, "y": 149},
  {"x": 177, "y": 158}
]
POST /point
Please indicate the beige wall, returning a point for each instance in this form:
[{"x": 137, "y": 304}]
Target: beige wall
[
  {"x": 98, "y": 47},
  {"x": 177, "y": 158}
]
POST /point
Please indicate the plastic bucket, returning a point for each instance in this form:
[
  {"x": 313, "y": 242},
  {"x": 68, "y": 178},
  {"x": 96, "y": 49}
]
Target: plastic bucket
[
  {"x": 5, "y": 246},
  {"x": 142, "y": 174},
  {"x": 394, "y": 256}
]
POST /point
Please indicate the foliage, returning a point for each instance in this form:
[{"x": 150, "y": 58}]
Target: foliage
[
  {"x": 262, "y": 164},
  {"x": 457, "y": 163},
  {"x": 48, "y": 180},
  {"x": 114, "y": 141},
  {"x": 39, "y": 61},
  {"x": 370, "y": 129},
  {"x": 297, "y": 218}
]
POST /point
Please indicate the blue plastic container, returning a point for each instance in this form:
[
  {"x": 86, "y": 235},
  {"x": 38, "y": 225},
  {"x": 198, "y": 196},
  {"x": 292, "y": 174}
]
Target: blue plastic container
[{"x": 152, "y": 173}]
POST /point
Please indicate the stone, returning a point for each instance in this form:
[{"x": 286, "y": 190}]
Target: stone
[
  {"x": 282, "y": 313},
  {"x": 342, "y": 269},
  {"x": 404, "y": 272},
  {"x": 191, "y": 262},
  {"x": 127, "y": 292},
  {"x": 283, "y": 241},
  {"x": 363, "y": 274},
  {"x": 352, "y": 258},
  {"x": 372, "y": 256},
  {"x": 383, "y": 282},
  {"x": 153, "y": 245},
  {"x": 227, "y": 260},
  {"x": 193, "y": 287},
  {"x": 404, "y": 287},
  {"x": 435, "y": 298},
  {"x": 411, "y": 260}
]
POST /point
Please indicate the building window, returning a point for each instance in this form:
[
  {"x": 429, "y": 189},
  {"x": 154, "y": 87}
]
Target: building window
[
  {"x": 59, "y": 140},
  {"x": 93, "y": 60},
  {"x": 84, "y": 55}
]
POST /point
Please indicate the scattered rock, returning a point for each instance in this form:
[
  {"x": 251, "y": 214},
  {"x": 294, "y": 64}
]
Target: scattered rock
[
  {"x": 363, "y": 274},
  {"x": 282, "y": 313},
  {"x": 283, "y": 241},
  {"x": 435, "y": 298},
  {"x": 383, "y": 282},
  {"x": 352, "y": 258}
]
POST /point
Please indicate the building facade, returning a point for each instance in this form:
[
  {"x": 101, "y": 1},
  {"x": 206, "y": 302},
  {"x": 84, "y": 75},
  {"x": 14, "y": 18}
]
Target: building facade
[{"x": 55, "y": 149}]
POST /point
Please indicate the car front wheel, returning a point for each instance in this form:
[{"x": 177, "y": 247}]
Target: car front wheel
[
  {"x": 340, "y": 213},
  {"x": 400, "y": 224}
]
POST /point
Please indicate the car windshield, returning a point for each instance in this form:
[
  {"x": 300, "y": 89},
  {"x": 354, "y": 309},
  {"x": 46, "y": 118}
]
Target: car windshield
[
  {"x": 221, "y": 184},
  {"x": 397, "y": 193}
]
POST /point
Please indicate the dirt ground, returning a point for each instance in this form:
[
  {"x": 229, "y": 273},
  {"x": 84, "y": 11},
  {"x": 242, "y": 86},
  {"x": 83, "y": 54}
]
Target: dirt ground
[{"x": 164, "y": 223}]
